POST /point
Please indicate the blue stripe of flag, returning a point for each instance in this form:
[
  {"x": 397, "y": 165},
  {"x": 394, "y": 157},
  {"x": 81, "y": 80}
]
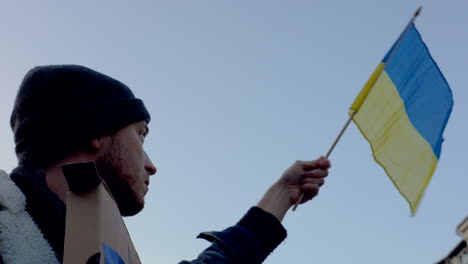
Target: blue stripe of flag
[{"x": 422, "y": 87}]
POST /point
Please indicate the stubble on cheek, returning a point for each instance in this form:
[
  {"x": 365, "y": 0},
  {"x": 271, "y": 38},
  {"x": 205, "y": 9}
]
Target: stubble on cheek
[{"x": 112, "y": 169}]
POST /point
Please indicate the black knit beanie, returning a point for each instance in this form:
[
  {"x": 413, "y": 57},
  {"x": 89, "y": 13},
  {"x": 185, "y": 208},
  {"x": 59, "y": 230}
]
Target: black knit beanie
[{"x": 59, "y": 108}]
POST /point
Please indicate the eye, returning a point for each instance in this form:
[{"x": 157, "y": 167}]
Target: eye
[
  {"x": 142, "y": 134},
  {"x": 142, "y": 131}
]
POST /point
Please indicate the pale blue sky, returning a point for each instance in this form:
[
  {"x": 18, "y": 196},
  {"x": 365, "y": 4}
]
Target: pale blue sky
[{"x": 238, "y": 90}]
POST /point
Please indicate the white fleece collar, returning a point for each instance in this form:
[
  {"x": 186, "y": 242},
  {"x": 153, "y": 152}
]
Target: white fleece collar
[
  {"x": 11, "y": 197},
  {"x": 21, "y": 241}
]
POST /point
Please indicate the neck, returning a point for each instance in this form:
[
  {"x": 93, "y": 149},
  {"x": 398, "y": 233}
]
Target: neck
[{"x": 57, "y": 182}]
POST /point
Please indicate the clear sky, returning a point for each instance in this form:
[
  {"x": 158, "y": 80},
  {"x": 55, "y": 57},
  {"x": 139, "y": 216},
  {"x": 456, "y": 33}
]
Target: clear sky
[{"x": 238, "y": 90}]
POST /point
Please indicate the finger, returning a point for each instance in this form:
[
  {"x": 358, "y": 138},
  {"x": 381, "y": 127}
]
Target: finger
[
  {"x": 309, "y": 187},
  {"x": 324, "y": 163},
  {"x": 310, "y": 191},
  {"x": 316, "y": 173},
  {"x": 312, "y": 164},
  {"x": 321, "y": 162},
  {"x": 319, "y": 181}
]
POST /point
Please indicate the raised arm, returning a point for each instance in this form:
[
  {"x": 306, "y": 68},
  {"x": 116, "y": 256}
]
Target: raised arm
[{"x": 259, "y": 232}]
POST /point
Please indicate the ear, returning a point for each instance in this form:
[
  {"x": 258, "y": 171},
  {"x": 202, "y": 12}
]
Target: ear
[{"x": 96, "y": 144}]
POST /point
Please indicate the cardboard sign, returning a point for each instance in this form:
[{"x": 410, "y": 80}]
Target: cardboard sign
[{"x": 95, "y": 232}]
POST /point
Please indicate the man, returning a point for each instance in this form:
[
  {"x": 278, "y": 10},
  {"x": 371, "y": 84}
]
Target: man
[{"x": 66, "y": 114}]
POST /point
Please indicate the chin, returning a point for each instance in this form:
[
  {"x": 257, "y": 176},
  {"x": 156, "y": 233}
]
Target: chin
[{"x": 131, "y": 209}]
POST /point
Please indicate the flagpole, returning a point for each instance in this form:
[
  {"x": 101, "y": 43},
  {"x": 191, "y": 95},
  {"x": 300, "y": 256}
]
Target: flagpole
[
  {"x": 416, "y": 14},
  {"x": 301, "y": 198}
]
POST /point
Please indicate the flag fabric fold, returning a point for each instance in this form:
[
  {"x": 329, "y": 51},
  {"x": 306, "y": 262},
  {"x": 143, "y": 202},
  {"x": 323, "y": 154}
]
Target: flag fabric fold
[{"x": 402, "y": 111}]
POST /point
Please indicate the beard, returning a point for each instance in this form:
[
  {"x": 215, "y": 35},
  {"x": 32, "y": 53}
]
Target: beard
[{"x": 111, "y": 168}]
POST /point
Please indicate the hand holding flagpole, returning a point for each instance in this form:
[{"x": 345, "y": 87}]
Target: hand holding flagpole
[{"x": 301, "y": 198}]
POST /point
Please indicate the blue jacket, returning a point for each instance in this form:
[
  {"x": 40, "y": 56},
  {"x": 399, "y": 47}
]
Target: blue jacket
[{"x": 251, "y": 240}]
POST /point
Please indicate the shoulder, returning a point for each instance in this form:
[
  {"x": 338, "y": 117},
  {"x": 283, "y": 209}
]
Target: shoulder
[{"x": 11, "y": 196}]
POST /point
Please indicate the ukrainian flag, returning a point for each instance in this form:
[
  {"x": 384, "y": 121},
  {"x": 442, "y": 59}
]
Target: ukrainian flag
[{"x": 402, "y": 111}]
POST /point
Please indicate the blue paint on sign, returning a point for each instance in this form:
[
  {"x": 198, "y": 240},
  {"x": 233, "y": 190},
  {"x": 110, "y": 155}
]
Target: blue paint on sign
[{"x": 111, "y": 256}]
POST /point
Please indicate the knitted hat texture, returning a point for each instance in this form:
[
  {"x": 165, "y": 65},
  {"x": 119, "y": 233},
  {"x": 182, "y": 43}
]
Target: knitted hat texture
[{"x": 60, "y": 107}]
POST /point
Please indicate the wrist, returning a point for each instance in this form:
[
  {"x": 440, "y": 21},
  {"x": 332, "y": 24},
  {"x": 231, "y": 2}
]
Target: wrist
[{"x": 276, "y": 201}]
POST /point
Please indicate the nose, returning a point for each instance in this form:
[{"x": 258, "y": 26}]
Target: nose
[{"x": 149, "y": 166}]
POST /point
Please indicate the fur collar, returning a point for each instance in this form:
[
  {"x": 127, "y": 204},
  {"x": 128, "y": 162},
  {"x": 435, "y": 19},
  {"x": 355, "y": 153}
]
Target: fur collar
[
  {"x": 21, "y": 241},
  {"x": 45, "y": 208}
]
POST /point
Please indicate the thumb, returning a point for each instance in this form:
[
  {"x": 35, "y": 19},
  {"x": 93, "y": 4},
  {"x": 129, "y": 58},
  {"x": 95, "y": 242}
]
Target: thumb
[{"x": 309, "y": 165}]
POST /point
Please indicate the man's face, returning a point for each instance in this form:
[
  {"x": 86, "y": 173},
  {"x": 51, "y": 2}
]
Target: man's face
[{"x": 126, "y": 168}]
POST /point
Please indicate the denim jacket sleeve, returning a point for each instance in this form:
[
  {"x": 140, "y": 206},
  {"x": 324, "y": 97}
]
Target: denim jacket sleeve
[{"x": 250, "y": 241}]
